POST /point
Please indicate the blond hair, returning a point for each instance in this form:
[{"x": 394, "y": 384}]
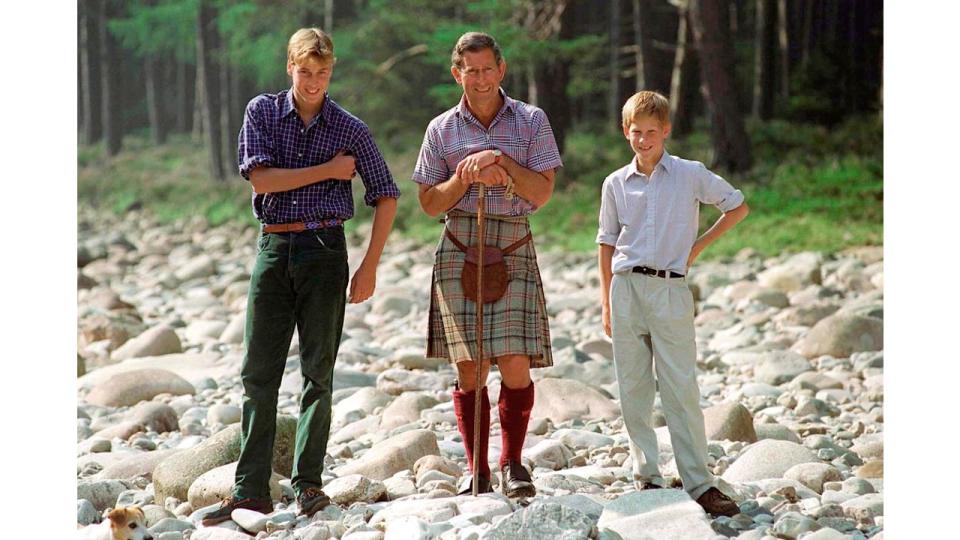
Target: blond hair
[
  {"x": 646, "y": 103},
  {"x": 308, "y": 42}
]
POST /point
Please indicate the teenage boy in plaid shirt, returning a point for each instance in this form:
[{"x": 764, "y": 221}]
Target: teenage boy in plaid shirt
[{"x": 300, "y": 150}]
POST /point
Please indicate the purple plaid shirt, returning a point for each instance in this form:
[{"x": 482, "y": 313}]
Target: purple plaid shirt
[
  {"x": 273, "y": 135},
  {"x": 519, "y": 130}
]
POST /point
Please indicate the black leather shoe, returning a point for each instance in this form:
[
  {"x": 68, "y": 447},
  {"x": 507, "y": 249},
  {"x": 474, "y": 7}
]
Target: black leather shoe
[
  {"x": 642, "y": 485},
  {"x": 516, "y": 481},
  {"x": 264, "y": 506},
  {"x": 466, "y": 485},
  {"x": 311, "y": 500}
]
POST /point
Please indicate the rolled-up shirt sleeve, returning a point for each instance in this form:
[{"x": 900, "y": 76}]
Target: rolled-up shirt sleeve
[
  {"x": 713, "y": 189},
  {"x": 373, "y": 169},
  {"x": 255, "y": 146},
  {"x": 544, "y": 154},
  {"x": 431, "y": 168},
  {"x": 609, "y": 230}
]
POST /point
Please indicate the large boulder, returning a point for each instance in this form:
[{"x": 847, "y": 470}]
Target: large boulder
[
  {"x": 217, "y": 484},
  {"x": 173, "y": 476},
  {"x": 155, "y": 341},
  {"x": 567, "y": 399},
  {"x": 158, "y": 417},
  {"x": 656, "y": 514},
  {"x": 841, "y": 335},
  {"x": 543, "y": 519},
  {"x": 352, "y": 488},
  {"x": 729, "y": 421},
  {"x": 101, "y": 493},
  {"x": 131, "y": 387},
  {"x": 778, "y": 367},
  {"x": 142, "y": 464},
  {"x": 393, "y": 455},
  {"x": 405, "y": 409},
  {"x": 768, "y": 458}
]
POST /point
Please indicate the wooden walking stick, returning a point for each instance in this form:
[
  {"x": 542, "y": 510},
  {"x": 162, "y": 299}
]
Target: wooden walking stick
[{"x": 481, "y": 234}]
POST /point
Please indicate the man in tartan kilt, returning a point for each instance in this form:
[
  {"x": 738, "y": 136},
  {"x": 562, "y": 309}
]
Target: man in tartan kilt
[{"x": 508, "y": 146}]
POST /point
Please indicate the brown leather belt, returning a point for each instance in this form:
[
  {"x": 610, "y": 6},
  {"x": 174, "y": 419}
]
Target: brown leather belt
[{"x": 302, "y": 226}]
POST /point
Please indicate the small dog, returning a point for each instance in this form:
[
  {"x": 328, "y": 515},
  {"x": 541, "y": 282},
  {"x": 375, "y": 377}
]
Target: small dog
[{"x": 127, "y": 523}]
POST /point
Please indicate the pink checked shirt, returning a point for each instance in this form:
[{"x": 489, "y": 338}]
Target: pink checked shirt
[{"x": 519, "y": 130}]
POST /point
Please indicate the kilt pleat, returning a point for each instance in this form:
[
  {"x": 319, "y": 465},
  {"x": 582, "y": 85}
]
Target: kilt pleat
[{"x": 515, "y": 324}]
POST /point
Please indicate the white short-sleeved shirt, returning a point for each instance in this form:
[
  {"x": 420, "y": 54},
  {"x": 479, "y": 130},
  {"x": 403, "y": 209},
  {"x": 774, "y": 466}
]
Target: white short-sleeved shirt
[{"x": 652, "y": 221}]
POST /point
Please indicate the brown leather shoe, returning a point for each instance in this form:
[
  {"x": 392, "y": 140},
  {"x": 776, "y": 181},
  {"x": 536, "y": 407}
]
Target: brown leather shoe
[
  {"x": 264, "y": 506},
  {"x": 311, "y": 500},
  {"x": 466, "y": 486},
  {"x": 714, "y": 502},
  {"x": 516, "y": 481}
]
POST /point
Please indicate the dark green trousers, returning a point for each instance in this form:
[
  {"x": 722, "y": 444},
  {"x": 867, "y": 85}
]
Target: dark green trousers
[{"x": 299, "y": 280}]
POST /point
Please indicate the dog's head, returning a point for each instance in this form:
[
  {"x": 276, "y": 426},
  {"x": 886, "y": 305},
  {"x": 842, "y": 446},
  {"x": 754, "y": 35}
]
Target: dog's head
[{"x": 128, "y": 523}]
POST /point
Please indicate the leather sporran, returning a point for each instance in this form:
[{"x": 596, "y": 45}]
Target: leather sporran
[{"x": 496, "y": 279}]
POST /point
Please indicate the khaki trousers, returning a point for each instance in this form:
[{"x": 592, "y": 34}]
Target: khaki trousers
[{"x": 652, "y": 318}]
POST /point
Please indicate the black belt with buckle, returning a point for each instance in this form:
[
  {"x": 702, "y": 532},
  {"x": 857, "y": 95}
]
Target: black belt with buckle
[{"x": 647, "y": 271}]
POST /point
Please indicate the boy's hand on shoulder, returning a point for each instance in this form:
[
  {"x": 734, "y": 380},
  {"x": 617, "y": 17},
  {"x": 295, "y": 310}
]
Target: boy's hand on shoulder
[{"x": 605, "y": 317}]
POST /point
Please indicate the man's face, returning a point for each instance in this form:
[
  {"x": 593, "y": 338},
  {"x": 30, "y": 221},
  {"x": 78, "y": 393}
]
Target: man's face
[
  {"x": 480, "y": 76},
  {"x": 311, "y": 78},
  {"x": 646, "y": 135}
]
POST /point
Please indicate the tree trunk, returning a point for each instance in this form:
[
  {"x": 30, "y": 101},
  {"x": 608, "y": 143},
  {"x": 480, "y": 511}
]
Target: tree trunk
[
  {"x": 154, "y": 112},
  {"x": 109, "y": 109},
  {"x": 641, "y": 83},
  {"x": 763, "y": 61},
  {"x": 784, "y": 50},
  {"x": 533, "y": 96},
  {"x": 683, "y": 82},
  {"x": 613, "y": 98},
  {"x": 182, "y": 104},
  {"x": 711, "y": 33},
  {"x": 90, "y": 70},
  {"x": 197, "y": 129},
  {"x": 208, "y": 71},
  {"x": 227, "y": 146},
  {"x": 328, "y": 16},
  {"x": 808, "y": 8}
]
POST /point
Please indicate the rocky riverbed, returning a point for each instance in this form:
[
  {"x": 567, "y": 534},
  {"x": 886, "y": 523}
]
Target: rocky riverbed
[{"x": 790, "y": 366}]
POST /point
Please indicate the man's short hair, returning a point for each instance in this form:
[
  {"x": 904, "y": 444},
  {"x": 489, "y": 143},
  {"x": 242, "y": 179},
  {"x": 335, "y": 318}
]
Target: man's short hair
[
  {"x": 646, "y": 103},
  {"x": 307, "y": 42},
  {"x": 474, "y": 42}
]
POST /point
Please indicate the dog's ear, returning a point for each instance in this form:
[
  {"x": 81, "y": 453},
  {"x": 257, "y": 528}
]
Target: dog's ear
[{"x": 117, "y": 515}]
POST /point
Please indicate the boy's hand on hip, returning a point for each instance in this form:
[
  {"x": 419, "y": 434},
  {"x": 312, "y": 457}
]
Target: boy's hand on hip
[
  {"x": 363, "y": 284},
  {"x": 605, "y": 317}
]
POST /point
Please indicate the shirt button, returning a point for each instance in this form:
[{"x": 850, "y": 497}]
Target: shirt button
[
  {"x": 294, "y": 202},
  {"x": 302, "y": 130},
  {"x": 299, "y": 155}
]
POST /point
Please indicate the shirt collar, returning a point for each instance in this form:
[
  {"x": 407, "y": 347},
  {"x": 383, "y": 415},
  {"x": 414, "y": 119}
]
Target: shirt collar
[
  {"x": 287, "y": 106},
  {"x": 508, "y": 105},
  {"x": 665, "y": 162}
]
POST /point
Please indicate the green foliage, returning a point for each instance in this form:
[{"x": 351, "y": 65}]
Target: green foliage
[{"x": 167, "y": 28}]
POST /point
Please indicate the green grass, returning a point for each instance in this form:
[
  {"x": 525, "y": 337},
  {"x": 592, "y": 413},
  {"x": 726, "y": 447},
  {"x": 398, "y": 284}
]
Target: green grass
[{"x": 810, "y": 189}]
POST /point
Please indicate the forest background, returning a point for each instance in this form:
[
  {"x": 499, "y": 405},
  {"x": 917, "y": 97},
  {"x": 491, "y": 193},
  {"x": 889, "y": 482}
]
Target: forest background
[{"x": 784, "y": 98}]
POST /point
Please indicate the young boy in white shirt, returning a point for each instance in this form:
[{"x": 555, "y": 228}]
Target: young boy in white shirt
[{"x": 647, "y": 241}]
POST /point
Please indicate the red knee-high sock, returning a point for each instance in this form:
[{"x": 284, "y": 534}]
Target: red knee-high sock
[
  {"x": 514, "y": 407},
  {"x": 463, "y": 408}
]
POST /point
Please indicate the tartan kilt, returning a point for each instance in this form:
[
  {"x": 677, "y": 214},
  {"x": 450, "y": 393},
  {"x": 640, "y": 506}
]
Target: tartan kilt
[{"x": 515, "y": 324}]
